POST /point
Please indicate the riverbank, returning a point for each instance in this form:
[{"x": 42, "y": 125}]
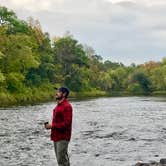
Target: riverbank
[
  {"x": 40, "y": 95},
  {"x": 46, "y": 93}
]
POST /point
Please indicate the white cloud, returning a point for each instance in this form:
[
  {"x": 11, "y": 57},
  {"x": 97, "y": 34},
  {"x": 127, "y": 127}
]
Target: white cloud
[
  {"x": 145, "y": 2},
  {"x": 31, "y": 5}
]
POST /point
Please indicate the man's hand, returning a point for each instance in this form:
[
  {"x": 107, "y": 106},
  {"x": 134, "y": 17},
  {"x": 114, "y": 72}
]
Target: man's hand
[{"x": 48, "y": 126}]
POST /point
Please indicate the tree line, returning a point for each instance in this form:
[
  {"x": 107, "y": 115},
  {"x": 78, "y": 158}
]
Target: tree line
[{"x": 32, "y": 65}]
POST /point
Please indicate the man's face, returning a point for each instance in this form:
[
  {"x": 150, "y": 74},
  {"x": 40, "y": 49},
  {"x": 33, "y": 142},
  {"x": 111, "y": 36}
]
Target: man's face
[{"x": 59, "y": 95}]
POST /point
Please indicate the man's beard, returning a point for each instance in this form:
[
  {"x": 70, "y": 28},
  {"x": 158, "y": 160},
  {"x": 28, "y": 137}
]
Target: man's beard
[{"x": 59, "y": 98}]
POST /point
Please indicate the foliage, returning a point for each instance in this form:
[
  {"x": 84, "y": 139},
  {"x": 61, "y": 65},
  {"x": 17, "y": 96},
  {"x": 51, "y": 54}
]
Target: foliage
[
  {"x": 11, "y": 22},
  {"x": 31, "y": 65},
  {"x": 15, "y": 82},
  {"x": 135, "y": 88},
  {"x": 140, "y": 81}
]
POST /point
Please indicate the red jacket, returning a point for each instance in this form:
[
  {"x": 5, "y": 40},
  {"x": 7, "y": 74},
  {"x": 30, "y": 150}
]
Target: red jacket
[{"x": 62, "y": 121}]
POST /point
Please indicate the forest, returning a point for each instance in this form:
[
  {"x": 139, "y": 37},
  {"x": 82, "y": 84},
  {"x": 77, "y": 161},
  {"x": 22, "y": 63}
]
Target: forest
[{"x": 32, "y": 65}]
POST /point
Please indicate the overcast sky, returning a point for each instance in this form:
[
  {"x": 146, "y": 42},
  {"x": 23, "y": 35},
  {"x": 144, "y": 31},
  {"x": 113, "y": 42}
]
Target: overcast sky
[{"x": 127, "y": 31}]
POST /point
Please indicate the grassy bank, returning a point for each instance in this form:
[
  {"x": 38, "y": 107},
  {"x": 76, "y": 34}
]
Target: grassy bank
[
  {"x": 43, "y": 93},
  {"x": 159, "y": 93},
  {"x": 46, "y": 93},
  {"x": 40, "y": 95}
]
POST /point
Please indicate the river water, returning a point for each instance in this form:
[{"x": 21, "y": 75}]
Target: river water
[{"x": 116, "y": 131}]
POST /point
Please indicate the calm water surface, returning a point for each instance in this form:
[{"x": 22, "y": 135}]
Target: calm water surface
[{"x": 106, "y": 132}]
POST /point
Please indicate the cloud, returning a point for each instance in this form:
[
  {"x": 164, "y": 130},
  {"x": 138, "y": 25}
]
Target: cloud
[
  {"x": 119, "y": 30},
  {"x": 29, "y": 5}
]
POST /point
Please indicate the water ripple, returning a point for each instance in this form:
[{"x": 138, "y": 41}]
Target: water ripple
[{"x": 106, "y": 131}]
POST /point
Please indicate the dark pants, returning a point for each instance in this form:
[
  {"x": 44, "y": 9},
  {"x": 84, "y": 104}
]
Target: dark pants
[{"x": 61, "y": 151}]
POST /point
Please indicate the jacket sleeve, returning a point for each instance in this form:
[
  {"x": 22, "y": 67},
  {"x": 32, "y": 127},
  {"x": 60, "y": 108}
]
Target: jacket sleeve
[{"x": 67, "y": 119}]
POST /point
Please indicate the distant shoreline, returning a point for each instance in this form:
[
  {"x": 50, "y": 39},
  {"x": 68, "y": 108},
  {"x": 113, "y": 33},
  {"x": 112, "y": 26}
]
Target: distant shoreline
[{"x": 19, "y": 100}]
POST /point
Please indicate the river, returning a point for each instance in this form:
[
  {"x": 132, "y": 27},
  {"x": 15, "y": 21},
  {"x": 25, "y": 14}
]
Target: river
[{"x": 115, "y": 131}]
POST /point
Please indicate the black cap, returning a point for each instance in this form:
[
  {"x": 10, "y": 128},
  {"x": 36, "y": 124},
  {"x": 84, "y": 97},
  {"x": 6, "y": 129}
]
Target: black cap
[{"x": 64, "y": 90}]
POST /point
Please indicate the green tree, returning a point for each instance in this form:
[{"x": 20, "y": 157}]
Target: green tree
[
  {"x": 67, "y": 52},
  {"x": 112, "y": 65},
  {"x": 15, "y": 82},
  {"x": 19, "y": 56},
  {"x": 158, "y": 77},
  {"x": 78, "y": 80},
  {"x": 13, "y": 25},
  {"x": 139, "y": 77}
]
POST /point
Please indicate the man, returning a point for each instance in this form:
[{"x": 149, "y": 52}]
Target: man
[{"x": 61, "y": 126}]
